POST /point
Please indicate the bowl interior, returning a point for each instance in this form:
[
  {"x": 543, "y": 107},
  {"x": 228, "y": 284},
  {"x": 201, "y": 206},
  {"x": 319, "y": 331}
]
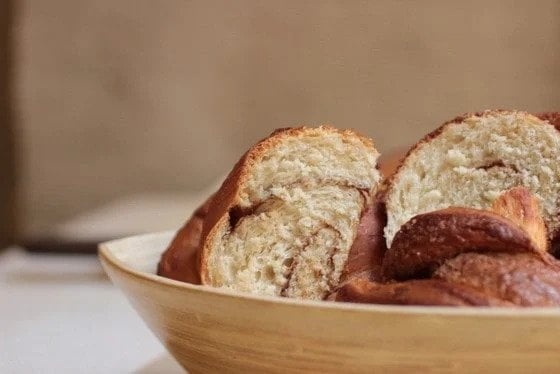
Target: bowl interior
[{"x": 139, "y": 253}]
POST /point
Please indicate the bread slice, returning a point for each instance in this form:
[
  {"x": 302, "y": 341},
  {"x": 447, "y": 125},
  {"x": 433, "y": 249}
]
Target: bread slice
[
  {"x": 285, "y": 219},
  {"x": 470, "y": 160}
]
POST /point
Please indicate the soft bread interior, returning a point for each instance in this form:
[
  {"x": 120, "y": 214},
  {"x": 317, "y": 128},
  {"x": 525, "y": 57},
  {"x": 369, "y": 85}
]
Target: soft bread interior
[
  {"x": 319, "y": 156},
  {"x": 301, "y": 204},
  {"x": 471, "y": 163},
  {"x": 294, "y": 244}
]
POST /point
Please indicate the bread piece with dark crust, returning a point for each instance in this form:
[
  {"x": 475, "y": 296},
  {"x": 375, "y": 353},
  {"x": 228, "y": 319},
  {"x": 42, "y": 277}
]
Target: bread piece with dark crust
[
  {"x": 422, "y": 244},
  {"x": 427, "y": 240},
  {"x": 470, "y": 279},
  {"x": 470, "y": 160},
  {"x": 552, "y": 117},
  {"x": 180, "y": 261},
  {"x": 427, "y": 292},
  {"x": 365, "y": 257},
  {"x": 523, "y": 279},
  {"x": 285, "y": 219}
]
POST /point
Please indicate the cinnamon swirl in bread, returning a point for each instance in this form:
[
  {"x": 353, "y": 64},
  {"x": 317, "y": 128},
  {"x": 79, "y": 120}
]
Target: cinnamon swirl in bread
[{"x": 285, "y": 220}]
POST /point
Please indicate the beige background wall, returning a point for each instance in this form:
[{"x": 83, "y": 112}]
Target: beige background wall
[{"x": 118, "y": 97}]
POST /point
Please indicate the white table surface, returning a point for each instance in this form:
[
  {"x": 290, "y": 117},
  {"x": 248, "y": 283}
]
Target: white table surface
[{"x": 60, "y": 314}]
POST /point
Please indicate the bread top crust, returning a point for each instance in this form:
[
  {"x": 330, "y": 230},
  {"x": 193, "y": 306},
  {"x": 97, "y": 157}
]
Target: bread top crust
[
  {"x": 546, "y": 119},
  {"x": 427, "y": 240},
  {"x": 457, "y": 120},
  {"x": 524, "y": 279},
  {"x": 552, "y": 117},
  {"x": 228, "y": 198}
]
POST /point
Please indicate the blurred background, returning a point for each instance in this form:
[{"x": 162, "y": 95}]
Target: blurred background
[
  {"x": 117, "y": 116},
  {"x": 120, "y": 116}
]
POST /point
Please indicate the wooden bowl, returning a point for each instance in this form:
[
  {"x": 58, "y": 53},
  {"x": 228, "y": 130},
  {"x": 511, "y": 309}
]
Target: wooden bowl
[{"x": 210, "y": 330}]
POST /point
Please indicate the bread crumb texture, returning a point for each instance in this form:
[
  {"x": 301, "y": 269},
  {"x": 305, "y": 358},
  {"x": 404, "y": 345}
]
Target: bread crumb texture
[
  {"x": 470, "y": 162},
  {"x": 303, "y": 194}
]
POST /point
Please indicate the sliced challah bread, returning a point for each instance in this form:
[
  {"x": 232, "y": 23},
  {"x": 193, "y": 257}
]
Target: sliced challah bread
[
  {"x": 286, "y": 218},
  {"x": 470, "y": 160}
]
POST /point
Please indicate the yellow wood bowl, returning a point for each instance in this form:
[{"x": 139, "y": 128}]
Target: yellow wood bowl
[{"x": 210, "y": 330}]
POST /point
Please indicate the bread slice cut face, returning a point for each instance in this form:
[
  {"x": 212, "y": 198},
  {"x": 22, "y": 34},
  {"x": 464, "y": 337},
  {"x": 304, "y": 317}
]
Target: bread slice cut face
[
  {"x": 283, "y": 222},
  {"x": 471, "y": 160}
]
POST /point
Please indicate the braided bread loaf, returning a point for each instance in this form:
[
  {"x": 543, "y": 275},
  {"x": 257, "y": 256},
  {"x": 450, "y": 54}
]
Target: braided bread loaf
[{"x": 471, "y": 257}]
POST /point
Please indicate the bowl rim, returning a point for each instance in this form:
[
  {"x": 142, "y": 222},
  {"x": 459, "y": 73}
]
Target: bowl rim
[{"x": 108, "y": 259}]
